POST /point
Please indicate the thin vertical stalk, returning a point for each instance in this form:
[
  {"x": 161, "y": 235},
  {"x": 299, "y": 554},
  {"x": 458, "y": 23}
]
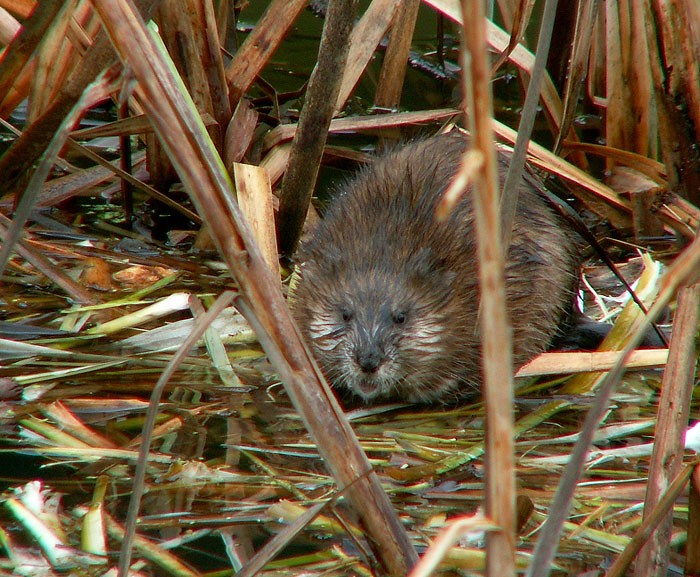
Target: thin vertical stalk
[
  {"x": 509, "y": 200},
  {"x": 496, "y": 333}
]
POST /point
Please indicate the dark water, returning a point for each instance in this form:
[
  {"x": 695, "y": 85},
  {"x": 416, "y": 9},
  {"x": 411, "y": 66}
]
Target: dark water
[{"x": 294, "y": 61}]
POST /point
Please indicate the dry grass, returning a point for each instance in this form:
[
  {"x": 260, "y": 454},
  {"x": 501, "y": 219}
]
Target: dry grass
[{"x": 93, "y": 309}]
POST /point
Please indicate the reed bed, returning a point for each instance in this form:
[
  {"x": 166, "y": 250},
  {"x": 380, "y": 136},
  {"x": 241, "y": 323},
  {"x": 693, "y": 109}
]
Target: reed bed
[{"x": 160, "y": 414}]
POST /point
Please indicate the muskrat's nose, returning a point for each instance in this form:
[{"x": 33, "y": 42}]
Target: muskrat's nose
[{"x": 369, "y": 359}]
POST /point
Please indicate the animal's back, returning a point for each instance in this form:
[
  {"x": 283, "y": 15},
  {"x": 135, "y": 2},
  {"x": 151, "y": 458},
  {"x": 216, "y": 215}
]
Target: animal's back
[{"x": 388, "y": 297}]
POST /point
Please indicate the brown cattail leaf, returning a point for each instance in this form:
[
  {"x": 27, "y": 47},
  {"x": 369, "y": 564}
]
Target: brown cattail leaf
[
  {"x": 255, "y": 199},
  {"x": 239, "y": 134},
  {"x": 261, "y": 43}
]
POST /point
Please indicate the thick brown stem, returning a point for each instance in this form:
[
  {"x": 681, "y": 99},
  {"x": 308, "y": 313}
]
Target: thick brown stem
[{"x": 310, "y": 138}]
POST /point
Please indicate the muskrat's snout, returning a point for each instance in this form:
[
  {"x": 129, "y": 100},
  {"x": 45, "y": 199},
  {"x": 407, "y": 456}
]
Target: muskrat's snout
[
  {"x": 369, "y": 358},
  {"x": 370, "y": 368}
]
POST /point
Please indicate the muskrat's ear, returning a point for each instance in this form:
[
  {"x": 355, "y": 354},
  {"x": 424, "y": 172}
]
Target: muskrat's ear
[
  {"x": 429, "y": 269},
  {"x": 327, "y": 260},
  {"x": 425, "y": 263}
]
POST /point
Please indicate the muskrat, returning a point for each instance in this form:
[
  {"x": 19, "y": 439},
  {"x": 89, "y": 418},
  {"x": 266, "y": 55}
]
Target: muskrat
[{"x": 388, "y": 297}]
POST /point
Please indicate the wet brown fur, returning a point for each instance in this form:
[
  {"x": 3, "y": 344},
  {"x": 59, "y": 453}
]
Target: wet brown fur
[{"x": 388, "y": 297}]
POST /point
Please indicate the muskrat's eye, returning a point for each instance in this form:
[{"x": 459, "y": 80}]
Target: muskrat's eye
[
  {"x": 399, "y": 317},
  {"x": 347, "y": 315}
]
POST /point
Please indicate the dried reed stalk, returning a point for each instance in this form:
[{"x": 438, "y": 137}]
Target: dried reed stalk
[
  {"x": 495, "y": 329},
  {"x": 394, "y": 66},
  {"x": 674, "y": 408}
]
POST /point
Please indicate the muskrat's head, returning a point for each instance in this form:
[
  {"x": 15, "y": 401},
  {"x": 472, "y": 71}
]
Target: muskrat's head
[{"x": 382, "y": 333}]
